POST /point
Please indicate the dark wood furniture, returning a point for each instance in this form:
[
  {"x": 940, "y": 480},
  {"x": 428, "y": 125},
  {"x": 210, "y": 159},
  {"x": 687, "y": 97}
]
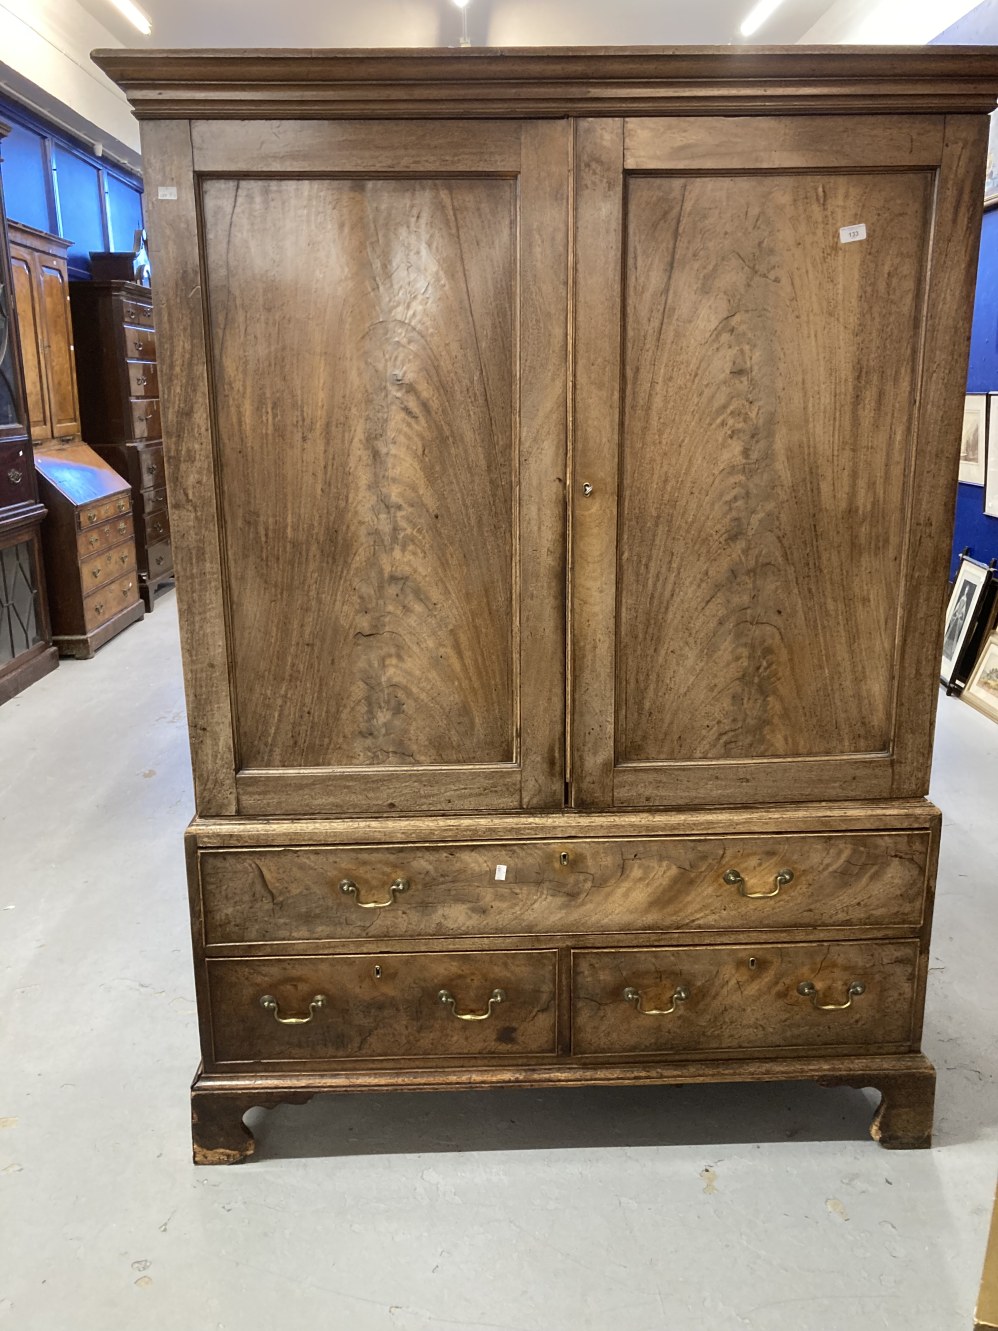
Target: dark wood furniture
[
  {"x": 89, "y": 548},
  {"x": 561, "y": 537},
  {"x": 41, "y": 290},
  {"x": 26, "y": 651},
  {"x": 75, "y": 483},
  {"x": 119, "y": 402}
]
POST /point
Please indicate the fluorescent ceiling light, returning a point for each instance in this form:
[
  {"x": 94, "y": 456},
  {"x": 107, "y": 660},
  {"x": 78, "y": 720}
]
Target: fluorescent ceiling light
[
  {"x": 134, "y": 15},
  {"x": 461, "y": 4},
  {"x": 758, "y": 15}
]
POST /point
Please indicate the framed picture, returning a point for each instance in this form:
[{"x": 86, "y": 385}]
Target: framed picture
[
  {"x": 962, "y": 615},
  {"x": 991, "y": 173},
  {"x": 982, "y": 686},
  {"x": 991, "y": 469},
  {"x": 972, "y": 445}
]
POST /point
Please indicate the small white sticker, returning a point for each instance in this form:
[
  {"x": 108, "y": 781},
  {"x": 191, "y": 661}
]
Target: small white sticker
[
  {"x": 166, "y": 192},
  {"x": 500, "y": 872},
  {"x": 847, "y": 234}
]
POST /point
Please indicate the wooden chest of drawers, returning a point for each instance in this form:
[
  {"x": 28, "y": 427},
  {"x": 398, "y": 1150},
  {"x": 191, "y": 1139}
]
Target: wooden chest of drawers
[
  {"x": 114, "y": 327},
  {"x": 562, "y": 534},
  {"x": 89, "y": 548}
]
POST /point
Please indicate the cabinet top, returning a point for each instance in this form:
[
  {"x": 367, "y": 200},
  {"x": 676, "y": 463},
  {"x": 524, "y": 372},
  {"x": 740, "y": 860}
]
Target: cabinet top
[{"x": 529, "y": 82}]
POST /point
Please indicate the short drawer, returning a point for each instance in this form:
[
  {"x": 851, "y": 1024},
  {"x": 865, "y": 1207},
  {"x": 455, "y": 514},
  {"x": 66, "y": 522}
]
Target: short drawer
[
  {"x": 397, "y": 1005},
  {"x": 143, "y": 378},
  {"x": 91, "y": 515},
  {"x": 134, "y": 312},
  {"x": 717, "y": 999},
  {"x": 155, "y": 526},
  {"x": 140, "y": 342},
  {"x": 104, "y": 536},
  {"x": 146, "y": 425},
  {"x": 104, "y": 604},
  {"x": 874, "y": 879},
  {"x": 151, "y": 501},
  {"x": 159, "y": 560},
  {"x": 106, "y": 565}
]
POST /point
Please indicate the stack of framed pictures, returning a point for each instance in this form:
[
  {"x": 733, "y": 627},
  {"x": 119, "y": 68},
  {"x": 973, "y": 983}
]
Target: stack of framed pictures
[{"x": 970, "y": 618}]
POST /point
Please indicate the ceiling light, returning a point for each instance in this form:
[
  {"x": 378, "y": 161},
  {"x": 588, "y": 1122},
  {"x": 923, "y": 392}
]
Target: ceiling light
[
  {"x": 134, "y": 15},
  {"x": 758, "y": 15},
  {"x": 461, "y": 4}
]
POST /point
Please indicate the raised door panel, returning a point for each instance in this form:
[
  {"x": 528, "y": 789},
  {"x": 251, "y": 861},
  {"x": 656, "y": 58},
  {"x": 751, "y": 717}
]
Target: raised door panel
[
  {"x": 64, "y": 407},
  {"x": 385, "y": 351},
  {"x": 30, "y": 325},
  {"x": 757, "y": 469}
]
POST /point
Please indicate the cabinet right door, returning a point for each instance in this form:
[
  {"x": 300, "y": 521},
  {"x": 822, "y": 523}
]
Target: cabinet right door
[{"x": 771, "y": 326}]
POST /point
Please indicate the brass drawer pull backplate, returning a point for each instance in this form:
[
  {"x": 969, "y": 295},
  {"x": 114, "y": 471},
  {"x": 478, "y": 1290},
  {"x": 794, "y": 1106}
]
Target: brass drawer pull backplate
[
  {"x": 633, "y": 996},
  {"x": 734, "y": 879},
  {"x": 271, "y": 1004},
  {"x": 349, "y": 888},
  {"x": 807, "y": 989},
  {"x": 448, "y": 1000}
]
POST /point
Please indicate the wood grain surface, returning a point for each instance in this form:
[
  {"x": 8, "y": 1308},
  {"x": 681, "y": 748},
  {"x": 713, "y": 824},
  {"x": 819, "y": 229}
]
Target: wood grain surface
[
  {"x": 383, "y": 1006},
  {"x": 743, "y": 998},
  {"x": 761, "y": 534},
  {"x": 383, "y": 470},
  {"x": 869, "y": 880}
]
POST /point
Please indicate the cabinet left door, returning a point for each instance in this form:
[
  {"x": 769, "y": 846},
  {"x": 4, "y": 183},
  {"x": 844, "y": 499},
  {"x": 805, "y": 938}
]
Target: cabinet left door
[{"x": 363, "y": 349}]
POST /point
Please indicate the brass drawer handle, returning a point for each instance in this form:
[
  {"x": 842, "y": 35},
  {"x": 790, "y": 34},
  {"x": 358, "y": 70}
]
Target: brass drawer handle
[
  {"x": 734, "y": 879},
  {"x": 123, "y": 526},
  {"x": 633, "y": 996},
  {"x": 93, "y": 540},
  {"x": 99, "y": 607},
  {"x": 14, "y": 476},
  {"x": 92, "y": 516},
  {"x": 498, "y": 996},
  {"x": 349, "y": 888},
  {"x": 807, "y": 989},
  {"x": 269, "y": 1002},
  {"x": 141, "y": 380},
  {"x": 96, "y": 571}
]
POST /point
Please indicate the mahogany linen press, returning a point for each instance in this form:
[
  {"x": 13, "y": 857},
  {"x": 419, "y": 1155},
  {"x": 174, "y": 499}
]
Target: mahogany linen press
[{"x": 561, "y": 449}]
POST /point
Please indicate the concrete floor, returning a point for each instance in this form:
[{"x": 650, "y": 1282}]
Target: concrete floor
[{"x": 645, "y": 1210}]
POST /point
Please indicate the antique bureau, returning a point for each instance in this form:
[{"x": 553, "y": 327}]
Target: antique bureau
[{"x": 561, "y": 448}]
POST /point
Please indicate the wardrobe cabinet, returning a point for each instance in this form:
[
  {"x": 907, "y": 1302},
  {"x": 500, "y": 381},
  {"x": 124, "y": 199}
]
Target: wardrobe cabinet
[
  {"x": 41, "y": 289},
  {"x": 562, "y": 448}
]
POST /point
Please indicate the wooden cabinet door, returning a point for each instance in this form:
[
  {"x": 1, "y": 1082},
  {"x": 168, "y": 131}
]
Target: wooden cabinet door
[
  {"x": 53, "y": 285},
  {"x": 772, "y": 320},
  {"x": 373, "y": 611},
  {"x": 29, "y": 321}
]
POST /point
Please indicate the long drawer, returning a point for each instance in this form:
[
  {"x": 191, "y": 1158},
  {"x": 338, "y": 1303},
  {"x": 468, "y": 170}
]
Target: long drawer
[
  {"x": 107, "y": 534},
  {"x": 90, "y": 515},
  {"x": 767, "y": 998},
  {"x": 453, "y": 1004},
  {"x": 873, "y": 879},
  {"x": 102, "y": 605},
  {"x": 102, "y": 567}
]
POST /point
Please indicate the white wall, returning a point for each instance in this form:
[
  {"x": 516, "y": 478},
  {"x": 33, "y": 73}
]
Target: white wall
[
  {"x": 47, "y": 44},
  {"x": 894, "y": 22}
]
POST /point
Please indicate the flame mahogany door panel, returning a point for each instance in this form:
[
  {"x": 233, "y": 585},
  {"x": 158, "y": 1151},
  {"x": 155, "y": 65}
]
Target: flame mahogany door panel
[
  {"x": 385, "y": 313},
  {"x": 764, "y": 416}
]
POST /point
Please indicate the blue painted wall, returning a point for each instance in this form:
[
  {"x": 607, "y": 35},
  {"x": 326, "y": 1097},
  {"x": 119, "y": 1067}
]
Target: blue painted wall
[
  {"x": 54, "y": 182},
  {"x": 973, "y": 527}
]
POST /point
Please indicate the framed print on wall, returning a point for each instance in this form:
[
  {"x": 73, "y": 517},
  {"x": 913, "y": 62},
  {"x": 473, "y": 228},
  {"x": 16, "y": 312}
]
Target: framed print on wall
[
  {"x": 962, "y": 614},
  {"x": 991, "y": 477},
  {"x": 982, "y": 686},
  {"x": 991, "y": 174},
  {"x": 975, "y": 420}
]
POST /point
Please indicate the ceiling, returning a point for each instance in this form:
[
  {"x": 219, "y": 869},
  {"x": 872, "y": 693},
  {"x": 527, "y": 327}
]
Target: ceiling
[{"x": 244, "y": 23}]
